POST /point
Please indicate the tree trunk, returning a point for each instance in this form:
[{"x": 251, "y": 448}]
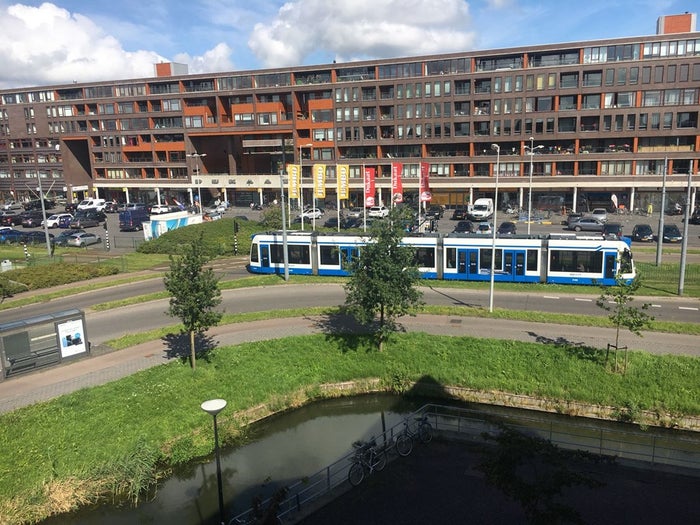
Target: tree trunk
[{"x": 193, "y": 360}]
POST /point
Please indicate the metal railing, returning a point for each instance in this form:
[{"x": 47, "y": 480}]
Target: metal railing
[{"x": 648, "y": 448}]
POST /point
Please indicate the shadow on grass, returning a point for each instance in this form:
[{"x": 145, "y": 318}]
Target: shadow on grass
[
  {"x": 178, "y": 346},
  {"x": 572, "y": 348},
  {"x": 345, "y": 332}
]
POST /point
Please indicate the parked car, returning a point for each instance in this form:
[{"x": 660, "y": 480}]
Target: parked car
[
  {"x": 589, "y": 224},
  {"x": 642, "y": 233},
  {"x": 312, "y": 213},
  {"x": 98, "y": 204},
  {"x": 612, "y": 230},
  {"x": 37, "y": 237},
  {"x": 36, "y": 204},
  {"x": 460, "y": 213},
  {"x": 58, "y": 220},
  {"x": 695, "y": 217},
  {"x": 484, "y": 228},
  {"x": 434, "y": 212},
  {"x": 10, "y": 218},
  {"x": 157, "y": 209},
  {"x": 464, "y": 227},
  {"x": 507, "y": 228},
  {"x": 378, "y": 212},
  {"x": 599, "y": 213},
  {"x": 32, "y": 219},
  {"x": 71, "y": 207},
  {"x": 110, "y": 207},
  {"x": 332, "y": 222},
  {"x": 355, "y": 213},
  {"x": 12, "y": 205},
  {"x": 11, "y": 236},
  {"x": 83, "y": 239},
  {"x": 62, "y": 238},
  {"x": 87, "y": 219},
  {"x": 672, "y": 233}
]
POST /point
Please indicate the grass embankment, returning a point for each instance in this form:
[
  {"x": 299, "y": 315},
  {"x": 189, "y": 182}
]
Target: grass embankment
[{"x": 84, "y": 446}]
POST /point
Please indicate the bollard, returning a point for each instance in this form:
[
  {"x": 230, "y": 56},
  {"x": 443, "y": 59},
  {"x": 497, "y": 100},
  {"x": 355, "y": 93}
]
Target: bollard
[
  {"x": 107, "y": 240},
  {"x": 26, "y": 251},
  {"x": 235, "y": 237}
]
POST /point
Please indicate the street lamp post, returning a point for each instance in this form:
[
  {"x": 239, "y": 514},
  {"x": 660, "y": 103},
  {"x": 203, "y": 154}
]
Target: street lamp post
[
  {"x": 213, "y": 407},
  {"x": 196, "y": 157},
  {"x": 531, "y": 151},
  {"x": 493, "y": 226}
]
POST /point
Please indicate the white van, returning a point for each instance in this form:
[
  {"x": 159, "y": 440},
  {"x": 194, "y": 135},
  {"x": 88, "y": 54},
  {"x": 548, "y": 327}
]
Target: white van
[{"x": 98, "y": 204}]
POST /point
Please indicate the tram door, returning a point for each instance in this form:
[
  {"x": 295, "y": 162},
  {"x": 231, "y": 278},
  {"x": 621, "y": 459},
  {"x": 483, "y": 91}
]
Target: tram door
[
  {"x": 610, "y": 260},
  {"x": 468, "y": 264},
  {"x": 264, "y": 256},
  {"x": 519, "y": 268}
]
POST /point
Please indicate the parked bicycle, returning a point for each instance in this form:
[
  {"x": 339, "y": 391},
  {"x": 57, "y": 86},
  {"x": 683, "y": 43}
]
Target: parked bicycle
[
  {"x": 368, "y": 457},
  {"x": 422, "y": 431}
]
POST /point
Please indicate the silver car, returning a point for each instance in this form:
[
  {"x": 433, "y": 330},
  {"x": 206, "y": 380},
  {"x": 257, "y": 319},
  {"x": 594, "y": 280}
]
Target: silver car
[
  {"x": 83, "y": 239},
  {"x": 588, "y": 224}
]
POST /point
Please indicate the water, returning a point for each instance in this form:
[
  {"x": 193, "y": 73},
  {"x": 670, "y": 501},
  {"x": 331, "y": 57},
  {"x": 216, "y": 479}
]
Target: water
[{"x": 285, "y": 448}]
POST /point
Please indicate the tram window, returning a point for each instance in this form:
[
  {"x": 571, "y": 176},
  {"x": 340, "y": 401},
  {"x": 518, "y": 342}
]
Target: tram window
[
  {"x": 254, "y": 253},
  {"x": 276, "y": 254},
  {"x": 330, "y": 255},
  {"x": 576, "y": 261},
  {"x": 532, "y": 260},
  {"x": 485, "y": 260},
  {"x": 298, "y": 255},
  {"x": 472, "y": 261},
  {"x": 451, "y": 258},
  {"x": 425, "y": 257}
]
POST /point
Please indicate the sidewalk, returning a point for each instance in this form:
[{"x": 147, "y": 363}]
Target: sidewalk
[{"x": 105, "y": 365}]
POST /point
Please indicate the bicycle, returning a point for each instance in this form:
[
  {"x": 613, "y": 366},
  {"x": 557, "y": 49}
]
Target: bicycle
[
  {"x": 404, "y": 441},
  {"x": 368, "y": 457}
]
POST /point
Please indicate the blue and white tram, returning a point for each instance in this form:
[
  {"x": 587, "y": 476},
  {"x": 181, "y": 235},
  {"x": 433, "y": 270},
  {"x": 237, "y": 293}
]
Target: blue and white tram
[{"x": 563, "y": 259}]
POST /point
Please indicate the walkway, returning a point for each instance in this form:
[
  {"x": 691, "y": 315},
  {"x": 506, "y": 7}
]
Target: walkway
[{"x": 105, "y": 365}]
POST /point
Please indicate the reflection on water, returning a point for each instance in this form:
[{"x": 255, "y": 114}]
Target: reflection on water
[{"x": 285, "y": 448}]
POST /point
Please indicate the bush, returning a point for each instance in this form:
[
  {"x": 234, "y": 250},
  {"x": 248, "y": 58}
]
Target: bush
[
  {"x": 218, "y": 238},
  {"x": 37, "y": 277}
]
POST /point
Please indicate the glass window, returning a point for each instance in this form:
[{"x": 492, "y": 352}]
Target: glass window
[
  {"x": 646, "y": 74},
  {"x": 634, "y": 75},
  {"x": 671, "y": 73},
  {"x": 622, "y": 76},
  {"x": 659, "y": 74},
  {"x": 684, "y": 73},
  {"x": 518, "y": 83},
  {"x": 609, "y": 77}
]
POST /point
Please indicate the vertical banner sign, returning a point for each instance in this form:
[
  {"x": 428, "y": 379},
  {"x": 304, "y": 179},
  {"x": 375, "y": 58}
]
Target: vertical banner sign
[
  {"x": 319, "y": 181},
  {"x": 425, "y": 195},
  {"x": 293, "y": 174},
  {"x": 343, "y": 175},
  {"x": 369, "y": 187},
  {"x": 396, "y": 184}
]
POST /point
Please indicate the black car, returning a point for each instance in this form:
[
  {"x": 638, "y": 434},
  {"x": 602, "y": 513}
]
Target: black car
[
  {"x": 695, "y": 217},
  {"x": 612, "y": 230},
  {"x": 507, "y": 228},
  {"x": 464, "y": 227},
  {"x": 71, "y": 207},
  {"x": 434, "y": 212},
  {"x": 32, "y": 219},
  {"x": 10, "y": 218},
  {"x": 111, "y": 207},
  {"x": 459, "y": 213},
  {"x": 332, "y": 222},
  {"x": 87, "y": 219},
  {"x": 642, "y": 233},
  {"x": 37, "y": 237},
  {"x": 672, "y": 233},
  {"x": 36, "y": 205}
]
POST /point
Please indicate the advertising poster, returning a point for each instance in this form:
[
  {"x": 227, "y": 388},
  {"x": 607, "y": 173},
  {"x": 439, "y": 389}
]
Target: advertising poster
[
  {"x": 71, "y": 335},
  {"x": 369, "y": 187}
]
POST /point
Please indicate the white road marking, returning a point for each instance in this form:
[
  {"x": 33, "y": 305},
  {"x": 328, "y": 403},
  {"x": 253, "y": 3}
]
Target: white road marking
[
  {"x": 551, "y": 297},
  {"x": 688, "y": 308},
  {"x": 583, "y": 300}
]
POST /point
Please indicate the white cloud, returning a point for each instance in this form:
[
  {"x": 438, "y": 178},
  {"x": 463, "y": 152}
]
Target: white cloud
[
  {"x": 216, "y": 59},
  {"x": 361, "y": 29}
]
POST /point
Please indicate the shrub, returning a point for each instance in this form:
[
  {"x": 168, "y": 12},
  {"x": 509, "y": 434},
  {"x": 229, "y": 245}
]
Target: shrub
[{"x": 46, "y": 276}]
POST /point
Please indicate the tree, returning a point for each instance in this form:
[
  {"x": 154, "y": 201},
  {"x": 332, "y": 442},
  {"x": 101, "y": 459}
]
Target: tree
[
  {"x": 194, "y": 292},
  {"x": 616, "y": 300},
  {"x": 383, "y": 279},
  {"x": 271, "y": 218}
]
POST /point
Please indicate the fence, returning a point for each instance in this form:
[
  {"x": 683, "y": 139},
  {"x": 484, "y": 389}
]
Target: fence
[{"x": 645, "y": 448}]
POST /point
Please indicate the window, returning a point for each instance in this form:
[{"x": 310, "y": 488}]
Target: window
[
  {"x": 651, "y": 98},
  {"x": 592, "y": 78},
  {"x": 671, "y": 73},
  {"x": 634, "y": 75},
  {"x": 658, "y": 74},
  {"x": 646, "y": 74},
  {"x": 609, "y": 77},
  {"x": 622, "y": 76}
]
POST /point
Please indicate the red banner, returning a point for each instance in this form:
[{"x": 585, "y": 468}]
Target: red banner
[
  {"x": 396, "y": 184},
  {"x": 369, "y": 187},
  {"x": 425, "y": 194}
]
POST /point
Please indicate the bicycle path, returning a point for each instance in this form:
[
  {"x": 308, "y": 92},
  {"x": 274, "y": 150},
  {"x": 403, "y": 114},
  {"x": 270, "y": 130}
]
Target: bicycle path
[{"x": 104, "y": 365}]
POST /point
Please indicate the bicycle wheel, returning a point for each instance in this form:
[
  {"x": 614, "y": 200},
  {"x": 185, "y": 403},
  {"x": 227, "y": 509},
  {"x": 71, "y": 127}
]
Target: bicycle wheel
[
  {"x": 379, "y": 461},
  {"x": 404, "y": 445},
  {"x": 356, "y": 474},
  {"x": 425, "y": 432}
]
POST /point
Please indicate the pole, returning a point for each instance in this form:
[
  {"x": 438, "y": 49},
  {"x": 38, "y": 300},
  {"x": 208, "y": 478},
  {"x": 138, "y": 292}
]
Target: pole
[
  {"x": 684, "y": 246},
  {"x": 529, "y": 191},
  {"x": 660, "y": 236},
  {"x": 301, "y": 189},
  {"x": 284, "y": 219},
  {"x": 222, "y": 517},
  {"x": 493, "y": 227}
]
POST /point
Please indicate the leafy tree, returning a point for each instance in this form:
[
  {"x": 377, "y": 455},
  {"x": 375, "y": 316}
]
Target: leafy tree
[
  {"x": 383, "y": 279},
  {"x": 616, "y": 300},
  {"x": 271, "y": 218},
  {"x": 194, "y": 291}
]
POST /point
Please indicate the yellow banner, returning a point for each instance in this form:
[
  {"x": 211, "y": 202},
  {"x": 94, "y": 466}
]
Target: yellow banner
[
  {"x": 320, "y": 181},
  {"x": 343, "y": 175},
  {"x": 293, "y": 172}
]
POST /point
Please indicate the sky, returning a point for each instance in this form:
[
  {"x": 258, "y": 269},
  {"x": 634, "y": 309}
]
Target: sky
[{"x": 65, "y": 41}]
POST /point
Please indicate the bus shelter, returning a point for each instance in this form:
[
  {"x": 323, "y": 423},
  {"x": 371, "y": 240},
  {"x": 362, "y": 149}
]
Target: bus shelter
[{"x": 42, "y": 341}]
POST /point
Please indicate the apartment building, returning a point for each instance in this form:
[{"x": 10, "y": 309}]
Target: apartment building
[{"x": 572, "y": 122}]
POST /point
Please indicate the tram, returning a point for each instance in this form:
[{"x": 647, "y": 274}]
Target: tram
[{"x": 555, "y": 258}]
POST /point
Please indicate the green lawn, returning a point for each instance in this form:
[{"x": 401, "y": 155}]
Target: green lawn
[{"x": 118, "y": 436}]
